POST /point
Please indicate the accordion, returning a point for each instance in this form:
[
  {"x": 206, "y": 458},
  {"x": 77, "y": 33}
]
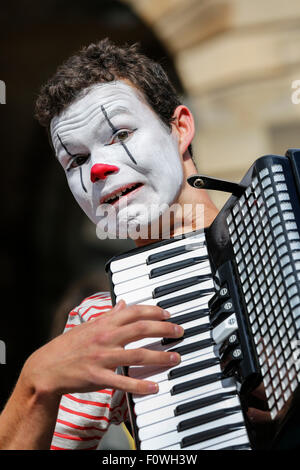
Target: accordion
[{"x": 235, "y": 288}]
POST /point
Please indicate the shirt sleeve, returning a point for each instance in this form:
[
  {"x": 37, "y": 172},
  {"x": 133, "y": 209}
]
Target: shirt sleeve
[{"x": 83, "y": 418}]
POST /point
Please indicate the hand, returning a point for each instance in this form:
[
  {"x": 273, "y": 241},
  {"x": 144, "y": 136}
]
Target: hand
[
  {"x": 85, "y": 358},
  {"x": 258, "y": 416}
]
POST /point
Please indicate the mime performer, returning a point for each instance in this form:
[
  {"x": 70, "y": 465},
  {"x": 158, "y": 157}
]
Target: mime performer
[{"x": 123, "y": 139}]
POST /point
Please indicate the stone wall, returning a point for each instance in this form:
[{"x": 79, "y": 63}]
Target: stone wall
[{"x": 237, "y": 60}]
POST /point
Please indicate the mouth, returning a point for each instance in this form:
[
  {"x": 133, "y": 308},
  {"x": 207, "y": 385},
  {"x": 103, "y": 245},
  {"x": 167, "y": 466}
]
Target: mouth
[{"x": 116, "y": 195}]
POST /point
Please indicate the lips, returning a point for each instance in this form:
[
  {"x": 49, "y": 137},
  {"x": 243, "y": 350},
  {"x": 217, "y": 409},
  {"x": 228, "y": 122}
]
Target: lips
[{"x": 116, "y": 195}]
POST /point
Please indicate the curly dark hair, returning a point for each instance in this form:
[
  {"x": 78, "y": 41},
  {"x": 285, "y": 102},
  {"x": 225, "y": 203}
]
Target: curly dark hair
[{"x": 105, "y": 62}]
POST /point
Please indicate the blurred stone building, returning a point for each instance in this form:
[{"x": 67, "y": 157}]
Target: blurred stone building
[{"x": 237, "y": 60}]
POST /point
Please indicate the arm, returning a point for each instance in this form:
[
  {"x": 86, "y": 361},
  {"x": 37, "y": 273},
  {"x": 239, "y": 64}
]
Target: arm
[
  {"x": 28, "y": 419},
  {"x": 82, "y": 360}
]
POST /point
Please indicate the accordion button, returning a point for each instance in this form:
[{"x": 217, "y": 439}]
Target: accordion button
[{"x": 225, "y": 329}]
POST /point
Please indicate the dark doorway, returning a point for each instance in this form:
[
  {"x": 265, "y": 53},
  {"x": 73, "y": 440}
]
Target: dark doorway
[{"x": 50, "y": 254}]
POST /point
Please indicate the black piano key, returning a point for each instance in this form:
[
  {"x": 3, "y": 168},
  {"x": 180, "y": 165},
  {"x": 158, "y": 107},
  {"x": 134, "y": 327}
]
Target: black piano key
[
  {"x": 195, "y": 330},
  {"x": 210, "y": 434},
  {"x": 200, "y": 382},
  {"x": 180, "y": 299},
  {"x": 170, "y": 268},
  {"x": 197, "y": 346},
  {"x": 178, "y": 285},
  {"x": 186, "y": 317},
  {"x": 206, "y": 418},
  {"x": 202, "y": 402},
  {"x": 189, "y": 369},
  {"x": 180, "y": 250}
]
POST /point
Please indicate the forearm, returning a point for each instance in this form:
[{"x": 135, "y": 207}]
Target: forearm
[
  {"x": 28, "y": 419},
  {"x": 83, "y": 360}
]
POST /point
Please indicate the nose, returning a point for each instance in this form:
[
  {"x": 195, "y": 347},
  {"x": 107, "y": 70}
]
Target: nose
[{"x": 100, "y": 171}]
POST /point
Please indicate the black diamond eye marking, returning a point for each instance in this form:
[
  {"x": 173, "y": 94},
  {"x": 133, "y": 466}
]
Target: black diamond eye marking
[
  {"x": 115, "y": 130},
  {"x": 71, "y": 155}
]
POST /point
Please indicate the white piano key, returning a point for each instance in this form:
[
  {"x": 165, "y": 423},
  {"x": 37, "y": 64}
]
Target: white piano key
[
  {"x": 170, "y": 425},
  {"x": 191, "y": 309},
  {"x": 158, "y": 372},
  {"x": 142, "y": 295},
  {"x": 200, "y": 302},
  {"x": 220, "y": 441},
  {"x": 176, "y": 437},
  {"x": 196, "y": 322},
  {"x": 167, "y": 385},
  {"x": 196, "y": 304},
  {"x": 145, "y": 282},
  {"x": 139, "y": 258},
  {"x": 155, "y": 344},
  {"x": 195, "y": 356},
  {"x": 160, "y": 401},
  {"x": 225, "y": 329},
  {"x": 167, "y": 412},
  {"x": 144, "y": 269},
  {"x": 243, "y": 439}
]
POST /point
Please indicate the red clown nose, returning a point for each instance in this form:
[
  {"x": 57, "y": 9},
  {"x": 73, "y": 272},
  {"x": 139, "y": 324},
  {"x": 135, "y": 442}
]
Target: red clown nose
[{"x": 100, "y": 171}]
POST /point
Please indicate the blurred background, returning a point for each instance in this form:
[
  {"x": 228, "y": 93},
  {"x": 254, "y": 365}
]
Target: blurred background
[{"x": 232, "y": 61}]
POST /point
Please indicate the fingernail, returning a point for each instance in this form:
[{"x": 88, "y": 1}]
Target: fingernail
[
  {"x": 175, "y": 358},
  {"x": 152, "y": 387},
  {"x": 179, "y": 331},
  {"x": 166, "y": 314},
  {"x": 119, "y": 305}
]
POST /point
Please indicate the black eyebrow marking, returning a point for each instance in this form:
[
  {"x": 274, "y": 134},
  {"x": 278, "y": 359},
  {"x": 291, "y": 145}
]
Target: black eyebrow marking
[
  {"x": 113, "y": 128},
  {"x": 71, "y": 155},
  {"x": 108, "y": 120},
  {"x": 63, "y": 145}
]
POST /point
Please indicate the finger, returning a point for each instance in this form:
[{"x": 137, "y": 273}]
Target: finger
[
  {"x": 259, "y": 392},
  {"x": 112, "y": 312},
  {"x": 141, "y": 356},
  {"x": 129, "y": 314},
  {"x": 146, "y": 329},
  {"x": 130, "y": 385},
  {"x": 258, "y": 416}
]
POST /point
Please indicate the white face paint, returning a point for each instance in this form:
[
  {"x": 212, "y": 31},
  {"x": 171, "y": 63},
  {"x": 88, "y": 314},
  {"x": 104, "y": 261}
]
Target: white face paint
[{"x": 111, "y": 124}]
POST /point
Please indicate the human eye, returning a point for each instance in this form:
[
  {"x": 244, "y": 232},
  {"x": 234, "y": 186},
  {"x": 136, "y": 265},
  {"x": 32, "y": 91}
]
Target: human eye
[
  {"x": 77, "y": 161},
  {"x": 121, "y": 135}
]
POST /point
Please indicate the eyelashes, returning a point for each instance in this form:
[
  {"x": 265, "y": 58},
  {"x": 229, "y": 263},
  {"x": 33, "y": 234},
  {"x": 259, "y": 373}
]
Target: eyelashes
[
  {"x": 78, "y": 161},
  {"x": 121, "y": 135}
]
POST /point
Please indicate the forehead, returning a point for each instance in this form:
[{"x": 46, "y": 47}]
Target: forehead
[{"x": 116, "y": 97}]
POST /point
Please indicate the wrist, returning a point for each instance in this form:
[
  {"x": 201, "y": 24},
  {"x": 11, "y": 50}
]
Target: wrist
[
  {"x": 35, "y": 386},
  {"x": 28, "y": 419}
]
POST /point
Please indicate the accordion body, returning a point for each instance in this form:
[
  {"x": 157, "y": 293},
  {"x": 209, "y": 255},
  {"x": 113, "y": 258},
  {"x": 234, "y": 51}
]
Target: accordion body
[{"x": 235, "y": 288}]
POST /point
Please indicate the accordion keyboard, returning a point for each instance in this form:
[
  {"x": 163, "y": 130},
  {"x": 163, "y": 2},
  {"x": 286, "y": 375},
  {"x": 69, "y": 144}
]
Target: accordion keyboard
[{"x": 196, "y": 407}]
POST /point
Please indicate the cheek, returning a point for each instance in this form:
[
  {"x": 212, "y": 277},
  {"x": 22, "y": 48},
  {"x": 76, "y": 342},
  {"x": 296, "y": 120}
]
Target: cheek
[
  {"x": 164, "y": 160},
  {"x": 81, "y": 189}
]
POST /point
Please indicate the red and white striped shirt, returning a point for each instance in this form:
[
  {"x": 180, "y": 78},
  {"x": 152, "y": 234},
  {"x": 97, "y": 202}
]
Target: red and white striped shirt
[{"x": 83, "y": 418}]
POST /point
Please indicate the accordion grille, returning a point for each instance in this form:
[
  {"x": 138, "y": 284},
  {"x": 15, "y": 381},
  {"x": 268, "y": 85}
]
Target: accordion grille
[{"x": 266, "y": 246}]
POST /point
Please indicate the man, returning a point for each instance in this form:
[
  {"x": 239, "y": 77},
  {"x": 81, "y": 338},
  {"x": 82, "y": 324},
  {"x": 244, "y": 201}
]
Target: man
[{"x": 123, "y": 139}]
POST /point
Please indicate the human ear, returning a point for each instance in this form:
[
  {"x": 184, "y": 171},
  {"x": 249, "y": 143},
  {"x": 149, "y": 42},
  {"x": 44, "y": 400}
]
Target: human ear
[{"x": 183, "y": 125}]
